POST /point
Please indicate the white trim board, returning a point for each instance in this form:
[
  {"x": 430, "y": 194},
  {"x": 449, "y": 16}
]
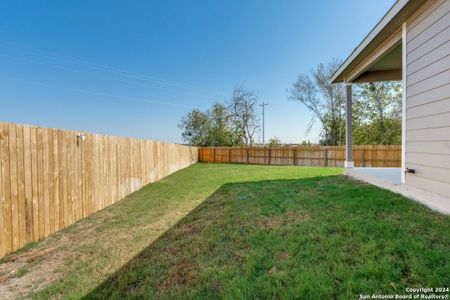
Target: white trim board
[{"x": 404, "y": 77}]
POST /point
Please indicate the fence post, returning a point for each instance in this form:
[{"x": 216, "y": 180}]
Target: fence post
[
  {"x": 229, "y": 155},
  {"x": 270, "y": 153},
  {"x": 363, "y": 161},
  {"x": 247, "y": 156},
  {"x": 326, "y": 157},
  {"x": 214, "y": 155},
  {"x": 293, "y": 157}
]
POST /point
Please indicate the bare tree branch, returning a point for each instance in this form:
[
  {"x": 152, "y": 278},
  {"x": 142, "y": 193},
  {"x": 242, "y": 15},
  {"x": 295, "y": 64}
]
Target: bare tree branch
[{"x": 242, "y": 108}]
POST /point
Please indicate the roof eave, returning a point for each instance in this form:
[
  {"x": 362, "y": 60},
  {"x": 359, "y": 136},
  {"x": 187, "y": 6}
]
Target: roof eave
[{"x": 383, "y": 25}]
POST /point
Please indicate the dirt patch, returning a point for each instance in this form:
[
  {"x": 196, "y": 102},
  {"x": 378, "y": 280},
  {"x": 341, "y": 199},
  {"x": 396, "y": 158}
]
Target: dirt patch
[
  {"x": 32, "y": 270},
  {"x": 270, "y": 222},
  {"x": 283, "y": 255},
  {"x": 296, "y": 217},
  {"x": 275, "y": 271},
  {"x": 182, "y": 275},
  {"x": 279, "y": 220},
  {"x": 241, "y": 254},
  {"x": 188, "y": 229}
]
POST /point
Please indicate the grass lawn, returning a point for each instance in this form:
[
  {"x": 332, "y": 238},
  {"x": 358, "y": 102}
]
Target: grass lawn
[{"x": 238, "y": 231}]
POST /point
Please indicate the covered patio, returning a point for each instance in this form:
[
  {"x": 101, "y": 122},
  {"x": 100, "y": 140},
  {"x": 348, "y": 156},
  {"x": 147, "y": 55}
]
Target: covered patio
[
  {"x": 407, "y": 45},
  {"x": 366, "y": 64},
  {"x": 373, "y": 61}
]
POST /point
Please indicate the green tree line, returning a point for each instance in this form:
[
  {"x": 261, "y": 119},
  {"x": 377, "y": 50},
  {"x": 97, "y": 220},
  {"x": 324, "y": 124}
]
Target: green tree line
[
  {"x": 376, "y": 107},
  {"x": 376, "y": 113},
  {"x": 224, "y": 124}
]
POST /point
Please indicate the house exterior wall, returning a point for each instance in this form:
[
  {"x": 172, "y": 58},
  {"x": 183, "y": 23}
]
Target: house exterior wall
[{"x": 427, "y": 147}]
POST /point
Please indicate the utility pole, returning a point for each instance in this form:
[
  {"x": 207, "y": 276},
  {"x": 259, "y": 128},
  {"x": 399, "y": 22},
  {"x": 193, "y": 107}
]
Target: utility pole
[{"x": 263, "y": 106}]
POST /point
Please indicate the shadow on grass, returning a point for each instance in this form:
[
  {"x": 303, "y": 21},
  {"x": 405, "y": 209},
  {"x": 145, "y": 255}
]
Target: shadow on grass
[{"x": 321, "y": 237}]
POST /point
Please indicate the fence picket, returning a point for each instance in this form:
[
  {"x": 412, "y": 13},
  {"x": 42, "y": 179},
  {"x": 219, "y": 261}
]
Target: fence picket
[
  {"x": 332, "y": 156},
  {"x": 50, "y": 178}
]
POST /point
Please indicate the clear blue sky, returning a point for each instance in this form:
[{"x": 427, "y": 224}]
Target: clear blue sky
[{"x": 133, "y": 68}]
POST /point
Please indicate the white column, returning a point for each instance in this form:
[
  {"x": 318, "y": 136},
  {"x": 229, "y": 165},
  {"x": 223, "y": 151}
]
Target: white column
[
  {"x": 404, "y": 53},
  {"x": 348, "y": 127}
]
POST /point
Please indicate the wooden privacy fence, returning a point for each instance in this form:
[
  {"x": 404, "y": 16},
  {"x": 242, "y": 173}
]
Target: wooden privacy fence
[
  {"x": 50, "y": 178},
  {"x": 331, "y": 156}
]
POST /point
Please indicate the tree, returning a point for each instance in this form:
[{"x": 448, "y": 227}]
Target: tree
[
  {"x": 306, "y": 143},
  {"x": 274, "y": 142},
  {"x": 210, "y": 128},
  {"x": 222, "y": 132},
  {"x": 196, "y": 128},
  {"x": 376, "y": 107},
  {"x": 324, "y": 99},
  {"x": 242, "y": 109},
  {"x": 379, "y": 106}
]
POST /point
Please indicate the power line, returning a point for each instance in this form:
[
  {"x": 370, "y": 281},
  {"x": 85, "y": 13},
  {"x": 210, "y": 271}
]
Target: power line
[
  {"x": 263, "y": 105},
  {"x": 105, "y": 68},
  {"x": 127, "y": 98},
  {"x": 113, "y": 73}
]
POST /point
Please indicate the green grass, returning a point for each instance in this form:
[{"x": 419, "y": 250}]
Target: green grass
[{"x": 237, "y": 231}]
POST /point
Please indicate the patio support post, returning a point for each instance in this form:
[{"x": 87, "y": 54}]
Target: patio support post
[
  {"x": 348, "y": 127},
  {"x": 404, "y": 62}
]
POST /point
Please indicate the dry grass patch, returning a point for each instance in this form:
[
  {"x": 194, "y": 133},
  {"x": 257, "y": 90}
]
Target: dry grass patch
[{"x": 24, "y": 272}]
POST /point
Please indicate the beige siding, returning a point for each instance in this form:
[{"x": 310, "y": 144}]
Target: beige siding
[
  {"x": 436, "y": 120},
  {"x": 427, "y": 184},
  {"x": 432, "y": 45},
  {"x": 433, "y": 147},
  {"x": 436, "y": 107},
  {"x": 436, "y": 67},
  {"x": 433, "y": 173},
  {"x": 428, "y": 97},
  {"x": 428, "y": 83},
  {"x": 428, "y": 135}
]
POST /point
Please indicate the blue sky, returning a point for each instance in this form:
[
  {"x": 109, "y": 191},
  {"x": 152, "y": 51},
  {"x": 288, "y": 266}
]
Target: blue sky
[{"x": 133, "y": 68}]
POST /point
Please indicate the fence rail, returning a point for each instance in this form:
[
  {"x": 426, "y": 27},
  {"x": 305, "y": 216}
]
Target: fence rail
[
  {"x": 50, "y": 178},
  {"x": 331, "y": 156}
]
